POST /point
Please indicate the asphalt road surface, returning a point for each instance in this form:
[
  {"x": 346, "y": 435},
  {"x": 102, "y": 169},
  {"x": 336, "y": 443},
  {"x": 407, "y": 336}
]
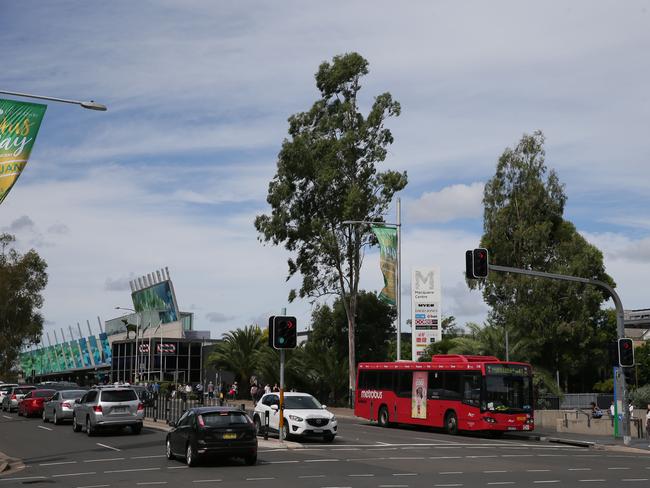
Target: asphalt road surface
[{"x": 364, "y": 456}]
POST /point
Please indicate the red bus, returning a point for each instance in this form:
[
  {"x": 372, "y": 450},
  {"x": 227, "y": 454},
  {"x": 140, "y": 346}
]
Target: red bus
[{"x": 454, "y": 392}]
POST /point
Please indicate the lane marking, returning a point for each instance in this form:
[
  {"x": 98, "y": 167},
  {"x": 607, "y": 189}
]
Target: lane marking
[
  {"x": 519, "y": 455},
  {"x": 108, "y": 447},
  {"x": 56, "y": 464},
  {"x": 7, "y": 417},
  {"x": 361, "y": 475},
  {"x": 281, "y": 462},
  {"x": 148, "y": 457},
  {"x": 383, "y": 443},
  {"x": 393, "y": 486},
  {"x": 44, "y": 428},
  {"x": 259, "y": 479},
  {"x": 347, "y": 449},
  {"x": 205, "y": 481},
  {"x": 547, "y": 481},
  {"x": 320, "y": 460},
  {"x": 403, "y": 458},
  {"x": 24, "y": 478},
  {"x": 366, "y": 459},
  {"x": 619, "y": 468},
  {"x": 477, "y": 457},
  {"x": 102, "y": 460},
  {"x": 496, "y": 471},
  {"x": 579, "y": 469},
  {"x": 405, "y": 474},
  {"x": 93, "y": 486},
  {"x": 446, "y": 457},
  {"x": 130, "y": 470},
  {"x": 313, "y": 476},
  {"x": 177, "y": 467},
  {"x": 73, "y": 474}
]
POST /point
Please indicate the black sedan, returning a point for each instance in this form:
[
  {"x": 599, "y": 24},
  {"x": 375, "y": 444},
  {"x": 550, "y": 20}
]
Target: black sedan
[{"x": 212, "y": 431}]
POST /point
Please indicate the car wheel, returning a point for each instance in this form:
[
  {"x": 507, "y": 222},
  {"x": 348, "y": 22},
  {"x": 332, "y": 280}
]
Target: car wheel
[
  {"x": 55, "y": 420},
  {"x": 136, "y": 429},
  {"x": 75, "y": 426},
  {"x": 451, "y": 423},
  {"x": 286, "y": 433},
  {"x": 190, "y": 456},
  {"x": 328, "y": 437},
  {"x": 382, "y": 418},
  {"x": 251, "y": 460},
  {"x": 89, "y": 428},
  {"x": 168, "y": 449},
  {"x": 258, "y": 425},
  {"x": 45, "y": 417}
]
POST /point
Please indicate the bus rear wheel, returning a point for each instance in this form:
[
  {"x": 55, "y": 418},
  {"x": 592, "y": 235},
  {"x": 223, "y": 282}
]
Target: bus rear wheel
[
  {"x": 382, "y": 418},
  {"x": 451, "y": 423}
]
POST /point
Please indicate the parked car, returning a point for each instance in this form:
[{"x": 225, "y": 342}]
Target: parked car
[
  {"x": 212, "y": 431},
  {"x": 4, "y": 388},
  {"x": 13, "y": 396},
  {"x": 303, "y": 416},
  {"x": 106, "y": 408},
  {"x": 59, "y": 408},
  {"x": 31, "y": 405}
]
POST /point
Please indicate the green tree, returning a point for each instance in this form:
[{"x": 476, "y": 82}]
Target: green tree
[
  {"x": 642, "y": 360},
  {"x": 238, "y": 352},
  {"x": 326, "y": 174},
  {"x": 524, "y": 227},
  {"x": 22, "y": 279}
]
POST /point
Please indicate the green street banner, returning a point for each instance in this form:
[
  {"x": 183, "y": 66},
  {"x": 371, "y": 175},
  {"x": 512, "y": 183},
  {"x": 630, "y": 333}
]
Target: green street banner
[
  {"x": 387, "y": 237},
  {"x": 19, "y": 124}
]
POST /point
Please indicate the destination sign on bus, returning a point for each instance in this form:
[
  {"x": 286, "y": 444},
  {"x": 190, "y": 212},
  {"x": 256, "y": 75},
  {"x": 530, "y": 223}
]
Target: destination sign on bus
[{"x": 507, "y": 369}]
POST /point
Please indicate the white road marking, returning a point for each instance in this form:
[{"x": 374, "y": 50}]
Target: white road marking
[
  {"x": 446, "y": 457},
  {"x": 205, "y": 481},
  {"x": 108, "y": 447},
  {"x": 259, "y": 479},
  {"x": 486, "y": 456},
  {"x": 403, "y": 458},
  {"x": 361, "y": 475},
  {"x": 177, "y": 467},
  {"x": 496, "y": 471},
  {"x": 102, "y": 460},
  {"x": 405, "y": 474},
  {"x": 547, "y": 481},
  {"x": 619, "y": 468},
  {"x": 313, "y": 476},
  {"x": 320, "y": 460},
  {"x": 347, "y": 449},
  {"x": 44, "y": 428},
  {"x": 7, "y": 417},
  {"x": 24, "y": 478},
  {"x": 393, "y": 486},
  {"x": 148, "y": 457},
  {"x": 73, "y": 474},
  {"x": 519, "y": 455},
  {"x": 281, "y": 462},
  {"x": 56, "y": 464},
  {"x": 383, "y": 443},
  {"x": 366, "y": 459},
  {"x": 579, "y": 469},
  {"x": 130, "y": 470}
]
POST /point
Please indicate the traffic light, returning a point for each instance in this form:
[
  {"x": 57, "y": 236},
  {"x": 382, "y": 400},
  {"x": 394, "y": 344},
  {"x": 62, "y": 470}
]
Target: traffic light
[
  {"x": 284, "y": 332},
  {"x": 625, "y": 353},
  {"x": 271, "y": 319},
  {"x": 476, "y": 263}
]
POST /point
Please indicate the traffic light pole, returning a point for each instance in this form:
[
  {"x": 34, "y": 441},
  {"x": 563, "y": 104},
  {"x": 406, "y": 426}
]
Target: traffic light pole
[
  {"x": 281, "y": 433},
  {"x": 620, "y": 329}
]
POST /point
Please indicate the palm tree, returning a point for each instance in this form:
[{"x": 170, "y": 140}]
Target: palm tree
[{"x": 238, "y": 352}]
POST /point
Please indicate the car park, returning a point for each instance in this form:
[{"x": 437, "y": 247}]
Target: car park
[
  {"x": 115, "y": 407},
  {"x": 303, "y": 416},
  {"x": 31, "y": 405},
  {"x": 212, "y": 431},
  {"x": 14, "y": 395},
  {"x": 59, "y": 408}
]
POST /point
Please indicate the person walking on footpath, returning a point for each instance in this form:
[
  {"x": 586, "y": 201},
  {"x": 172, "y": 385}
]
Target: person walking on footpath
[
  {"x": 647, "y": 422},
  {"x": 211, "y": 390}
]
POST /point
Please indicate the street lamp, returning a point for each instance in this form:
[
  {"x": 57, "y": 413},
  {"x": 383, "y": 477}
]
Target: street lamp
[
  {"x": 398, "y": 300},
  {"x": 91, "y": 105},
  {"x": 137, "y": 331}
]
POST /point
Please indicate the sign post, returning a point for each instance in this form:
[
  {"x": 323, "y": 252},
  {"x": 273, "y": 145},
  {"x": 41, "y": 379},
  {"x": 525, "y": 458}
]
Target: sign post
[{"x": 425, "y": 309}]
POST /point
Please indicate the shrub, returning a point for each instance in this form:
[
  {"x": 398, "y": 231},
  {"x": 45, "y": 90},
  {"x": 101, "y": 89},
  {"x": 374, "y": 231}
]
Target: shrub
[{"x": 640, "y": 397}]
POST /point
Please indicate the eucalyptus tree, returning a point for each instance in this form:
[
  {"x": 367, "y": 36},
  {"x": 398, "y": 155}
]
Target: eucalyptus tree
[{"x": 327, "y": 174}]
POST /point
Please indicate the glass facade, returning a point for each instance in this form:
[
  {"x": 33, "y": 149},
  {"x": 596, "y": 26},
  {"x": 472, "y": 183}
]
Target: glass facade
[{"x": 178, "y": 360}]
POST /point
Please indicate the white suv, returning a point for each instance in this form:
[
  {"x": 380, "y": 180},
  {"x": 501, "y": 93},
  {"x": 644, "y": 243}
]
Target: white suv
[{"x": 303, "y": 416}]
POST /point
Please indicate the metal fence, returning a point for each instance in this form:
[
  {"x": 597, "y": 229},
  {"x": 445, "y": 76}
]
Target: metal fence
[
  {"x": 165, "y": 409},
  {"x": 571, "y": 401}
]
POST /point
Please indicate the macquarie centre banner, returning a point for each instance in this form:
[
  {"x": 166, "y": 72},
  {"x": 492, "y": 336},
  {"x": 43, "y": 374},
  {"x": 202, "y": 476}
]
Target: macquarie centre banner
[
  {"x": 157, "y": 298},
  {"x": 387, "y": 237},
  {"x": 425, "y": 309},
  {"x": 19, "y": 124}
]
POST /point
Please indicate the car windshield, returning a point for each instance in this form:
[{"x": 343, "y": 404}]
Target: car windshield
[
  {"x": 22, "y": 391},
  {"x": 44, "y": 393},
  {"x": 302, "y": 402},
  {"x": 5, "y": 388},
  {"x": 508, "y": 389},
  {"x": 118, "y": 395},
  {"x": 222, "y": 419},
  {"x": 66, "y": 395}
]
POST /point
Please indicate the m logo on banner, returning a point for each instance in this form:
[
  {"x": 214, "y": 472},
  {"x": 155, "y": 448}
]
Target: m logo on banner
[{"x": 422, "y": 280}]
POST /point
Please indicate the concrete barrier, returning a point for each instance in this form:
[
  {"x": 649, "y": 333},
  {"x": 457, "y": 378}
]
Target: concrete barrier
[{"x": 580, "y": 422}]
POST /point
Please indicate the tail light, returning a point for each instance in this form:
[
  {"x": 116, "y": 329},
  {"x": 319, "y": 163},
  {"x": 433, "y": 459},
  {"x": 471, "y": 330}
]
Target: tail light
[
  {"x": 140, "y": 407},
  {"x": 13, "y": 396},
  {"x": 97, "y": 408},
  {"x": 66, "y": 405},
  {"x": 201, "y": 421}
]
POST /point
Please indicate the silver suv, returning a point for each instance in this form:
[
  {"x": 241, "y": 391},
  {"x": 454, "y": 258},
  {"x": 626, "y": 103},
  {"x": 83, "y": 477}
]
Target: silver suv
[{"x": 108, "y": 407}]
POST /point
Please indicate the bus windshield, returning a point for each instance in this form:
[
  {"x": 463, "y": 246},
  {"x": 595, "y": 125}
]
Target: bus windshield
[{"x": 508, "y": 388}]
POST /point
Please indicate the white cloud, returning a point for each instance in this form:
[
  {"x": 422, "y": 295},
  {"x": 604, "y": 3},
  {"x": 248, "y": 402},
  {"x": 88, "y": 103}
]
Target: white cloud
[{"x": 451, "y": 203}]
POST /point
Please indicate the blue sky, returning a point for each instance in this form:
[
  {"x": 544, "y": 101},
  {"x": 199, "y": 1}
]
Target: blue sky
[{"x": 199, "y": 93}]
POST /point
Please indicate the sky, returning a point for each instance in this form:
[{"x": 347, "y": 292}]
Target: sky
[{"x": 198, "y": 96}]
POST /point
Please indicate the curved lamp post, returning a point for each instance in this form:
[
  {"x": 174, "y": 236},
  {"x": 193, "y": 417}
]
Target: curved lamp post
[{"x": 91, "y": 105}]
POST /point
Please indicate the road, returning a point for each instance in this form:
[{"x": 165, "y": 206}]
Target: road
[{"x": 365, "y": 456}]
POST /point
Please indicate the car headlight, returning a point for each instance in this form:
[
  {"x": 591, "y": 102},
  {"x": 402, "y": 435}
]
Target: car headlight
[
  {"x": 333, "y": 419},
  {"x": 295, "y": 418}
]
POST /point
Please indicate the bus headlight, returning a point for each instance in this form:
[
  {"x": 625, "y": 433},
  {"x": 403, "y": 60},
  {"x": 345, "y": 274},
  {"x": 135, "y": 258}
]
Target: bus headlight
[{"x": 490, "y": 420}]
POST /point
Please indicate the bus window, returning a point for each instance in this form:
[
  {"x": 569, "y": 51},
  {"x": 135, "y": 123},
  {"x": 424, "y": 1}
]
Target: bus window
[
  {"x": 471, "y": 382},
  {"x": 403, "y": 383},
  {"x": 385, "y": 380},
  {"x": 368, "y": 380},
  {"x": 452, "y": 389},
  {"x": 436, "y": 386}
]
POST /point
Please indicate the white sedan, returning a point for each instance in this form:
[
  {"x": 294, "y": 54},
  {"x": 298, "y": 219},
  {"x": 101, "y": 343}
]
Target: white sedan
[{"x": 303, "y": 416}]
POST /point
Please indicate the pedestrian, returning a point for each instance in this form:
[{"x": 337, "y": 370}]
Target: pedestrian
[
  {"x": 188, "y": 390},
  {"x": 647, "y": 422},
  {"x": 210, "y": 390},
  {"x": 267, "y": 388},
  {"x": 222, "y": 394},
  {"x": 596, "y": 412},
  {"x": 254, "y": 389},
  {"x": 199, "y": 392},
  {"x": 156, "y": 390},
  {"x": 276, "y": 387}
]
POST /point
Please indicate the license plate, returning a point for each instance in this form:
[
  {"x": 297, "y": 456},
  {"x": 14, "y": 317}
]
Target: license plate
[
  {"x": 120, "y": 409},
  {"x": 230, "y": 436},
  {"x": 512, "y": 428},
  {"x": 318, "y": 431}
]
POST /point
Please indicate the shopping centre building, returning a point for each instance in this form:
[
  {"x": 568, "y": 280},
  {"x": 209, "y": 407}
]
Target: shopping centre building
[{"x": 154, "y": 342}]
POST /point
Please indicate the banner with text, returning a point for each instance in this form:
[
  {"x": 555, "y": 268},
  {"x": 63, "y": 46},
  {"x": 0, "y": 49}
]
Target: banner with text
[
  {"x": 19, "y": 124},
  {"x": 425, "y": 309},
  {"x": 387, "y": 238}
]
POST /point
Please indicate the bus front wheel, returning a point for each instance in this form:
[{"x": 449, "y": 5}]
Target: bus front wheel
[
  {"x": 451, "y": 423},
  {"x": 382, "y": 418}
]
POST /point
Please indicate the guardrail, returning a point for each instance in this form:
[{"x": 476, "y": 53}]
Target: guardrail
[{"x": 170, "y": 409}]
